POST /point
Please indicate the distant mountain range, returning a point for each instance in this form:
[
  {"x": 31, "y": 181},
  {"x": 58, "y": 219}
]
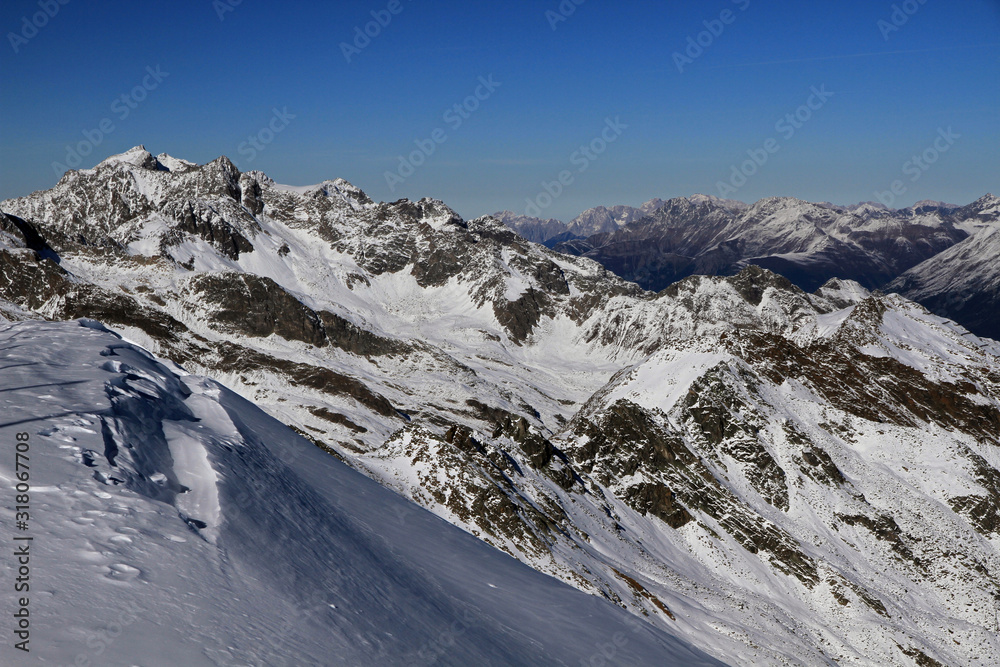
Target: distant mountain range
[
  {"x": 941, "y": 255},
  {"x": 599, "y": 220}
]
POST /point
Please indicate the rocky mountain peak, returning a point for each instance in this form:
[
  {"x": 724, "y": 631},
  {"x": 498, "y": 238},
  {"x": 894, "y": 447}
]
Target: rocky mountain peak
[
  {"x": 511, "y": 217},
  {"x": 679, "y": 210},
  {"x": 223, "y": 165},
  {"x": 753, "y": 281},
  {"x": 731, "y": 204},
  {"x": 609, "y": 219},
  {"x": 931, "y": 204},
  {"x": 808, "y": 243},
  {"x": 842, "y": 293},
  {"x": 988, "y": 204},
  {"x": 174, "y": 165},
  {"x": 343, "y": 188},
  {"x": 137, "y": 156},
  {"x": 770, "y": 205},
  {"x": 537, "y": 230}
]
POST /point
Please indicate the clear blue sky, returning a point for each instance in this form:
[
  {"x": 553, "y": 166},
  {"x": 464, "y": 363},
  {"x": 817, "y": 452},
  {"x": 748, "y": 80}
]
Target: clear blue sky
[{"x": 684, "y": 133}]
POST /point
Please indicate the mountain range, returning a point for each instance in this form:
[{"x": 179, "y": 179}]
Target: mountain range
[
  {"x": 922, "y": 252},
  {"x": 762, "y": 473}
]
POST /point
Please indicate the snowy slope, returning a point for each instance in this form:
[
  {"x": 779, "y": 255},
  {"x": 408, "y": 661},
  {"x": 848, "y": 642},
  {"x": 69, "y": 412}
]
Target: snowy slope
[
  {"x": 174, "y": 523},
  {"x": 855, "y": 495}
]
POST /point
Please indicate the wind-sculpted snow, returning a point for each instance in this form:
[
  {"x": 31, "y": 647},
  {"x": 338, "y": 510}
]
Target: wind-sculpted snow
[
  {"x": 780, "y": 477},
  {"x": 176, "y": 524}
]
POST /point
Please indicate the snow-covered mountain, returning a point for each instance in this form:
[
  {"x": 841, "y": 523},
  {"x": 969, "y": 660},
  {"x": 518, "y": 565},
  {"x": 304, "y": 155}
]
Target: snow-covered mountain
[
  {"x": 608, "y": 219},
  {"x": 963, "y": 282},
  {"x": 174, "y": 523},
  {"x": 807, "y": 243},
  {"x": 660, "y": 249},
  {"x": 546, "y": 231},
  {"x": 598, "y": 220},
  {"x": 774, "y": 476}
]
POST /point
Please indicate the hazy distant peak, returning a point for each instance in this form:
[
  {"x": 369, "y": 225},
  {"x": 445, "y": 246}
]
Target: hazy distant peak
[{"x": 732, "y": 204}]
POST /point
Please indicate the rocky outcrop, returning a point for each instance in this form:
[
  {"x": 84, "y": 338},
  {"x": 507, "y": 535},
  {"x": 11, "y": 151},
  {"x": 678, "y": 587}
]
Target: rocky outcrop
[{"x": 255, "y": 306}]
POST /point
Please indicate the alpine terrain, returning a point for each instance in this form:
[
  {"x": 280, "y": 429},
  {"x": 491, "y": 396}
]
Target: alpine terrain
[
  {"x": 766, "y": 474},
  {"x": 941, "y": 255},
  {"x": 963, "y": 282}
]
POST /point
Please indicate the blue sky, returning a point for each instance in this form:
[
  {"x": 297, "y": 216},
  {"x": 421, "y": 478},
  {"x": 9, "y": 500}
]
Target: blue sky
[{"x": 678, "y": 133}]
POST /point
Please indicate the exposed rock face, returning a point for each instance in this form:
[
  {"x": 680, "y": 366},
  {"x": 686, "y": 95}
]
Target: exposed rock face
[
  {"x": 603, "y": 219},
  {"x": 231, "y": 358},
  {"x": 108, "y": 205},
  {"x": 657, "y": 499},
  {"x": 627, "y": 440},
  {"x": 20, "y": 234},
  {"x": 250, "y": 305},
  {"x": 201, "y": 220},
  {"x": 28, "y": 280},
  {"x": 809, "y": 476}
]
